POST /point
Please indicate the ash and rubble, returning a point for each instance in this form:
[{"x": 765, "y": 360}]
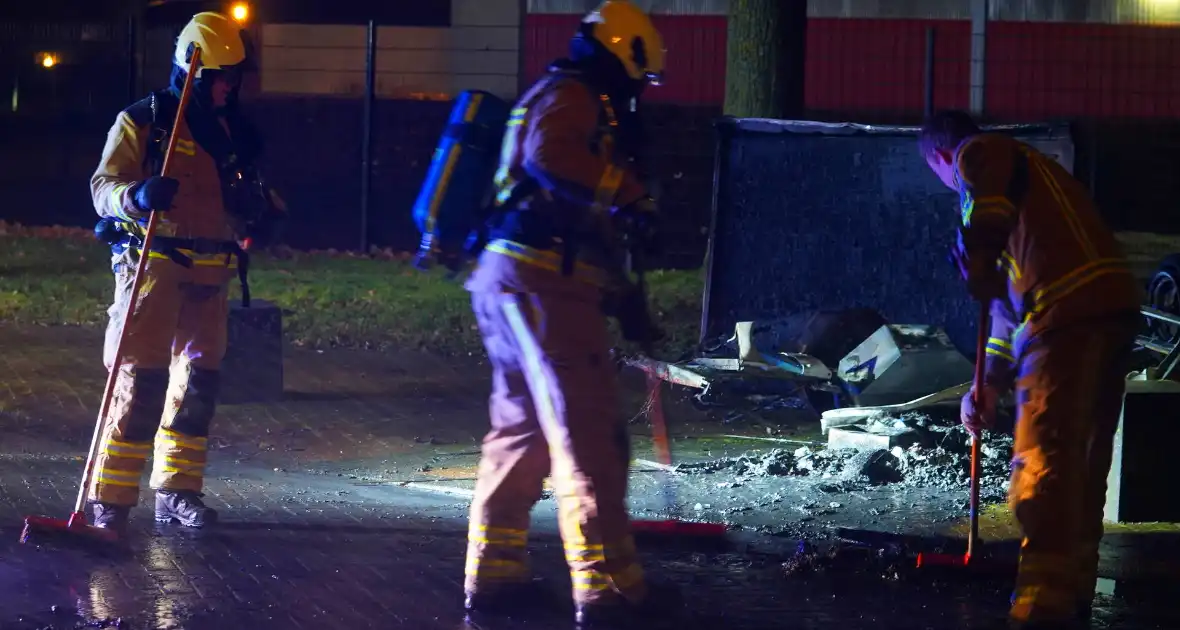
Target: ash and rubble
[{"x": 941, "y": 459}]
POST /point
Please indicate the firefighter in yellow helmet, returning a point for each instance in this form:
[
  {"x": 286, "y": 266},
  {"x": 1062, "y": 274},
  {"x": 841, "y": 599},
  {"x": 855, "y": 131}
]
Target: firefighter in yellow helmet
[
  {"x": 567, "y": 193},
  {"x": 211, "y": 200}
]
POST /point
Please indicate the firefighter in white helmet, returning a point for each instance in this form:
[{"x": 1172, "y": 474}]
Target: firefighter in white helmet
[
  {"x": 211, "y": 200},
  {"x": 568, "y": 191}
]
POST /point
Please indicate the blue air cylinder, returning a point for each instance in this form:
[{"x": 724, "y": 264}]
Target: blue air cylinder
[{"x": 459, "y": 181}]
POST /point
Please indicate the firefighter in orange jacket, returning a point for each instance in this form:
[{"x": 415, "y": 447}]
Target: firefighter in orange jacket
[
  {"x": 1065, "y": 310},
  {"x": 565, "y": 187},
  {"x": 208, "y": 201}
]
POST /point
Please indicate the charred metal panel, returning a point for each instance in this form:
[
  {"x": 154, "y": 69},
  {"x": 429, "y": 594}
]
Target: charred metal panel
[{"x": 835, "y": 216}]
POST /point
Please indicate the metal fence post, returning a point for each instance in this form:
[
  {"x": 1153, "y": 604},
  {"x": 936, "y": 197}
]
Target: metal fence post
[
  {"x": 367, "y": 133},
  {"x": 979, "y": 14},
  {"x": 132, "y": 58}
]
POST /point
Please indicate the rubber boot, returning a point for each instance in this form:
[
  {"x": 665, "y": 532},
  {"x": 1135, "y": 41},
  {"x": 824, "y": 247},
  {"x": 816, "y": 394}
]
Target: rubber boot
[
  {"x": 508, "y": 599},
  {"x": 112, "y": 517},
  {"x": 663, "y": 602},
  {"x": 184, "y": 507}
]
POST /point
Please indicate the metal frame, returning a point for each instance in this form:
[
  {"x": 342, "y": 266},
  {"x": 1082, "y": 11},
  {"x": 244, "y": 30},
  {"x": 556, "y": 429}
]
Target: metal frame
[{"x": 1172, "y": 354}]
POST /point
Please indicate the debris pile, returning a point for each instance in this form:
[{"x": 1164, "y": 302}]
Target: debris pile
[
  {"x": 948, "y": 465},
  {"x": 942, "y": 460}
]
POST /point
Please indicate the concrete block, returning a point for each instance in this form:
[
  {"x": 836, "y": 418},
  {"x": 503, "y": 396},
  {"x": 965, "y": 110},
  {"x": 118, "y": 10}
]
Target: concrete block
[
  {"x": 252, "y": 371},
  {"x": 1141, "y": 483},
  {"x": 879, "y": 439}
]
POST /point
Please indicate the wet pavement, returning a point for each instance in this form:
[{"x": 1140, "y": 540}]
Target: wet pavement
[{"x": 329, "y": 522}]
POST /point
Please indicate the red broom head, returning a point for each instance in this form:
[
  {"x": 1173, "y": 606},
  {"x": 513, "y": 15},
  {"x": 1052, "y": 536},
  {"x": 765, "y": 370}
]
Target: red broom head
[{"x": 942, "y": 560}]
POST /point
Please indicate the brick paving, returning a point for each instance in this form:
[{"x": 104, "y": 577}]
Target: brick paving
[{"x": 305, "y": 547}]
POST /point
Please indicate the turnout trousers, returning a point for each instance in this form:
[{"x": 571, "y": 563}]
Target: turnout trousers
[
  {"x": 166, "y": 390},
  {"x": 1069, "y": 392},
  {"x": 554, "y": 411}
]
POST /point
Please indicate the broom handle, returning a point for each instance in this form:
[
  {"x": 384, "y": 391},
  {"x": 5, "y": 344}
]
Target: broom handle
[
  {"x": 136, "y": 284},
  {"x": 980, "y": 354}
]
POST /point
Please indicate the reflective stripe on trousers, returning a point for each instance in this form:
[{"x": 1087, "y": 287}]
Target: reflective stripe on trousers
[
  {"x": 551, "y": 416},
  {"x": 1069, "y": 395}
]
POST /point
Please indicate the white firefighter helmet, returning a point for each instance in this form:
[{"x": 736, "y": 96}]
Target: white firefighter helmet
[
  {"x": 628, "y": 33},
  {"x": 219, "y": 38}
]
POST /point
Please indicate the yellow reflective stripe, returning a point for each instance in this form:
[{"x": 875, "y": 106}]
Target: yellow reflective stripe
[
  {"x": 497, "y": 542},
  {"x": 590, "y": 580},
  {"x": 191, "y": 472},
  {"x": 585, "y": 553},
  {"x": 131, "y": 445},
  {"x": 516, "y": 117},
  {"x": 545, "y": 259},
  {"x": 1001, "y": 354},
  {"x": 1002, "y": 348},
  {"x": 436, "y": 198},
  {"x": 104, "y": 479},
  {"x": 184, "y": 441},
  {"x": 540, "y": 387},
  {"x": 229, "y": 261},
  {"x": 118, "y": 193},
  {"x": 504, "y": 186},
  {"x": 499, "y": 536},
  {"x": 501, "y": 531},
  {"x": 1072, "y": 281},
  {"x": 449, "y": 166},
  {"x": 1000, "y": 342},
  {"x": 116, "y": 477},
  {"x": 996, "y": 205},
  {"x": 119, "y": 472},
  {"x": 1067, "y": 210},
  {"x": 115, "y": 451},
  {"x": 1007, "y": 260},
  {"x": 145, "y": 447}
]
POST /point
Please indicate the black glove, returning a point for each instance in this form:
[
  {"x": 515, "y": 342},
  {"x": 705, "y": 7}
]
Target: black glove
[
  {"x": 638, "y": 223},
  {"x": 155, "y": 194},
  {"x": 629, "y": 307}
]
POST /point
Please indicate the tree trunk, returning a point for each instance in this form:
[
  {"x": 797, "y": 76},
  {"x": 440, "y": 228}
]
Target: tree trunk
[{"x": 765, "y": 58}]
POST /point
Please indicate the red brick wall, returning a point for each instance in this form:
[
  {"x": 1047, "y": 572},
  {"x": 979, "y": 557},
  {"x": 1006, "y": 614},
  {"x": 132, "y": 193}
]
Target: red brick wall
[{"x": 1036, "y": 70}]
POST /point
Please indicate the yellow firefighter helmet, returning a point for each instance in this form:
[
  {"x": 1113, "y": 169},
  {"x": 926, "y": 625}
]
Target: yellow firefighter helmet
[
  {"x": 628, "y": 33},
  {"x": 219, "y": 38}
]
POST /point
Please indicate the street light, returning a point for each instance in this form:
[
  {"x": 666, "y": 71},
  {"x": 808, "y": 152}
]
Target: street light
[
  {"x": 48, "y": 60},
  {"x": 240, "y": 12}
]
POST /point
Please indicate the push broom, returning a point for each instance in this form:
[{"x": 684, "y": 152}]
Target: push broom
[
  {"x": 964, "y": 560},
  {"x": 672, "y": 528},
  {"x": 76, "y": 524}
]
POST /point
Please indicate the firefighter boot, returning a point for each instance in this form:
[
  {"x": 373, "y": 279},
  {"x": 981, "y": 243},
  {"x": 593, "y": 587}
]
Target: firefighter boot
[
  {"x": 110, "y": 516},
  {"x": 663, "y": 602},
  {"x": 507, "y": 599},
  {"x": 184, "y": 507}
]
